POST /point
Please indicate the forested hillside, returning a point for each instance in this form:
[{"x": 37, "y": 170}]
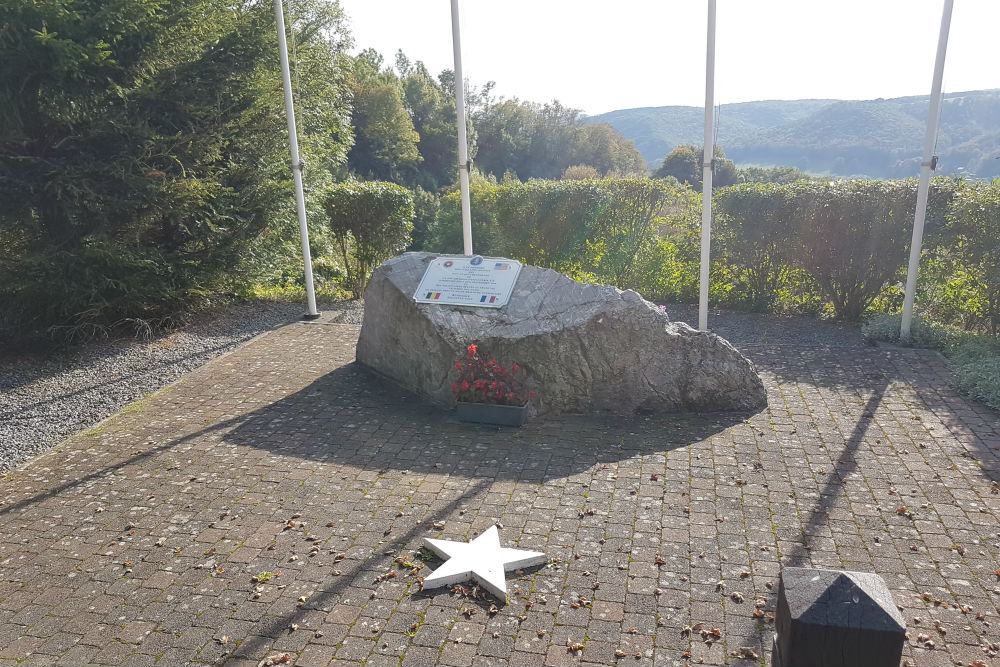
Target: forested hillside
[{"x": 875, "y": 138}]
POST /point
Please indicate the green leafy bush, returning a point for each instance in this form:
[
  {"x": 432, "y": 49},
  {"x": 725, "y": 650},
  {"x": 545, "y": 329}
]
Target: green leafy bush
[
  {"x": 974, "y": 239},
  {"x": 371, "y": 222}
]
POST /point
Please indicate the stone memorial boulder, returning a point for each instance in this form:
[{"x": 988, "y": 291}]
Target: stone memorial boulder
[{"x": 585, "y": 348}]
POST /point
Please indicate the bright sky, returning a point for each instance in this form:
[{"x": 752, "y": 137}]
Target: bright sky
[{"x": 600, "y": 55}]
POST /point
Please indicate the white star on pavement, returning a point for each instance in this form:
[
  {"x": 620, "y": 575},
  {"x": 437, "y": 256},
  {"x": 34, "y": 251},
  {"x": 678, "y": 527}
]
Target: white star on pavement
[{"x": 482, "y": 559}]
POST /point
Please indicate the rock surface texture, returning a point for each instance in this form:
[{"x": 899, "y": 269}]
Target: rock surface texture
[{"x": 586, "y": 348}]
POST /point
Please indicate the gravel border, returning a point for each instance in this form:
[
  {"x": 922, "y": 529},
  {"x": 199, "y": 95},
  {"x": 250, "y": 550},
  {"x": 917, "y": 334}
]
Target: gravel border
[{"x": 45, "y": 398}]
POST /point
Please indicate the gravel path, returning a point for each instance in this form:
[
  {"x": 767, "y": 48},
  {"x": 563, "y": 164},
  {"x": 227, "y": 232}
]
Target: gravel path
[{"x": 43, "y": 399}]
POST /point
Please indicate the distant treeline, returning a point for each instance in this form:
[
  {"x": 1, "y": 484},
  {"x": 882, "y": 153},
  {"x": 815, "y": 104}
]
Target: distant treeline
[{"x": 404, "y": 123}]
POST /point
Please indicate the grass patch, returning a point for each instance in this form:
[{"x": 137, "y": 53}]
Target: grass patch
[{"x": 974, "y": 358}]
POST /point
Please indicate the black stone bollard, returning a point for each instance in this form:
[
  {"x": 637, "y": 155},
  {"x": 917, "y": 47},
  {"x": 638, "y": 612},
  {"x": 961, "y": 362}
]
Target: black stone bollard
[{"x": 829, "y": 618}]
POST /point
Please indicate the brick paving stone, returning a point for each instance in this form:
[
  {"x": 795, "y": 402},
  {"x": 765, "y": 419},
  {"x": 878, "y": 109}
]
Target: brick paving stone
[{"x": 135, "y": 543}]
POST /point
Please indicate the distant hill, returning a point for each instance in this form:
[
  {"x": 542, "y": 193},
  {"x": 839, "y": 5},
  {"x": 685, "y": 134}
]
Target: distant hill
[{"x": 873, "y": 138}]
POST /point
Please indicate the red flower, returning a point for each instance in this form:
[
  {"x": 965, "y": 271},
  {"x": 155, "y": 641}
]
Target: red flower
[{"x": 485, "y": 381}]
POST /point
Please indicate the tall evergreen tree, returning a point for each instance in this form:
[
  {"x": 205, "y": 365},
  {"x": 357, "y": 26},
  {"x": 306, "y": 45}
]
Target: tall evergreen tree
[{"x": 142, "y": 149}]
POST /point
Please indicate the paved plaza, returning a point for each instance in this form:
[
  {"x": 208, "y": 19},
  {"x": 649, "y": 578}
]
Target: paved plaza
[{"x": 272, "y": 505}]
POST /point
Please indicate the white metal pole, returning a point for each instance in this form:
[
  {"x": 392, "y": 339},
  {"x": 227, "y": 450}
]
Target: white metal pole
[
  {"x": 706, "y": 186},
  {"x": 297, "y": 164},
  {"x": 926, "y": 166},
  {"x": 463, "y": 146}
]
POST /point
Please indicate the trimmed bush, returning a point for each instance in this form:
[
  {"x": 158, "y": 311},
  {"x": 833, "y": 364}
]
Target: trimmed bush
[
  {"x": 974, "y": 231},
  {"x": 753, "y": 225},
  {"x": 371, "y": 223}
]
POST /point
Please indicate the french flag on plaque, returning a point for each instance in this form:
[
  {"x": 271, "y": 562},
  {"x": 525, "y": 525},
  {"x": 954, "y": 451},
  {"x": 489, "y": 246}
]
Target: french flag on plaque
[
  {"x": 487, "y": 299},
  {"x": 501, "y": 266}
]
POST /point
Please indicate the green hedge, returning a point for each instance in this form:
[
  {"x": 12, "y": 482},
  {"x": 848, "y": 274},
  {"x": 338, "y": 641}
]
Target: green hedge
[{"x": 633, "y": 233}]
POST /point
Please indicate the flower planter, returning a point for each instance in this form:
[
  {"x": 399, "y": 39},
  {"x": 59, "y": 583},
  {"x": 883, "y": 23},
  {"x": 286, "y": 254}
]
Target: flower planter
[{"x": 486, "y": 413}]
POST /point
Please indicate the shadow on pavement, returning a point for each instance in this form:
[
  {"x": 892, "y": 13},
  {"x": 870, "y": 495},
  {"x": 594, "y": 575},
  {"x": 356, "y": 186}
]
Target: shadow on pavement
[{"x": 352, "y": 417}]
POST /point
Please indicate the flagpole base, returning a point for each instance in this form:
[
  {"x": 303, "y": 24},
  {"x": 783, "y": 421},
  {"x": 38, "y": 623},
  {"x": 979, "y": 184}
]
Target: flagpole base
[{"x": 310, "y": 316}]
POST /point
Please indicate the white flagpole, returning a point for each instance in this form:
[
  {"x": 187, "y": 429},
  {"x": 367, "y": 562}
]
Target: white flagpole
[
  {"x": 708, "y": 155},
  {"x": 926, "y": 166},
  {"x": 463, "y": 146},
  {"x": 297, "y": 164}
]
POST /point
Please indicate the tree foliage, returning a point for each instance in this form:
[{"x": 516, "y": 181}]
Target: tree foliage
[
  {"x": 685, "y": 164},
  {"x": 543, "y": 140},
  {"x": 371, "y": 222},
  {"x": 781, "y": 175},
  {"x": 432, "y": 109},
  {"x": 142, "y": 150},
  {"x": 580, "y": 172},
  {"x": 385, "y": 141}
]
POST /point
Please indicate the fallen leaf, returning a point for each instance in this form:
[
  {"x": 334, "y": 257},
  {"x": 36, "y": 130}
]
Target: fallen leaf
[{"x": 745, "y": 653}]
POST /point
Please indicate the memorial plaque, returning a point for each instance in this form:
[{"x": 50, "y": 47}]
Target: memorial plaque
[{"x": 460, "y": 280}]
